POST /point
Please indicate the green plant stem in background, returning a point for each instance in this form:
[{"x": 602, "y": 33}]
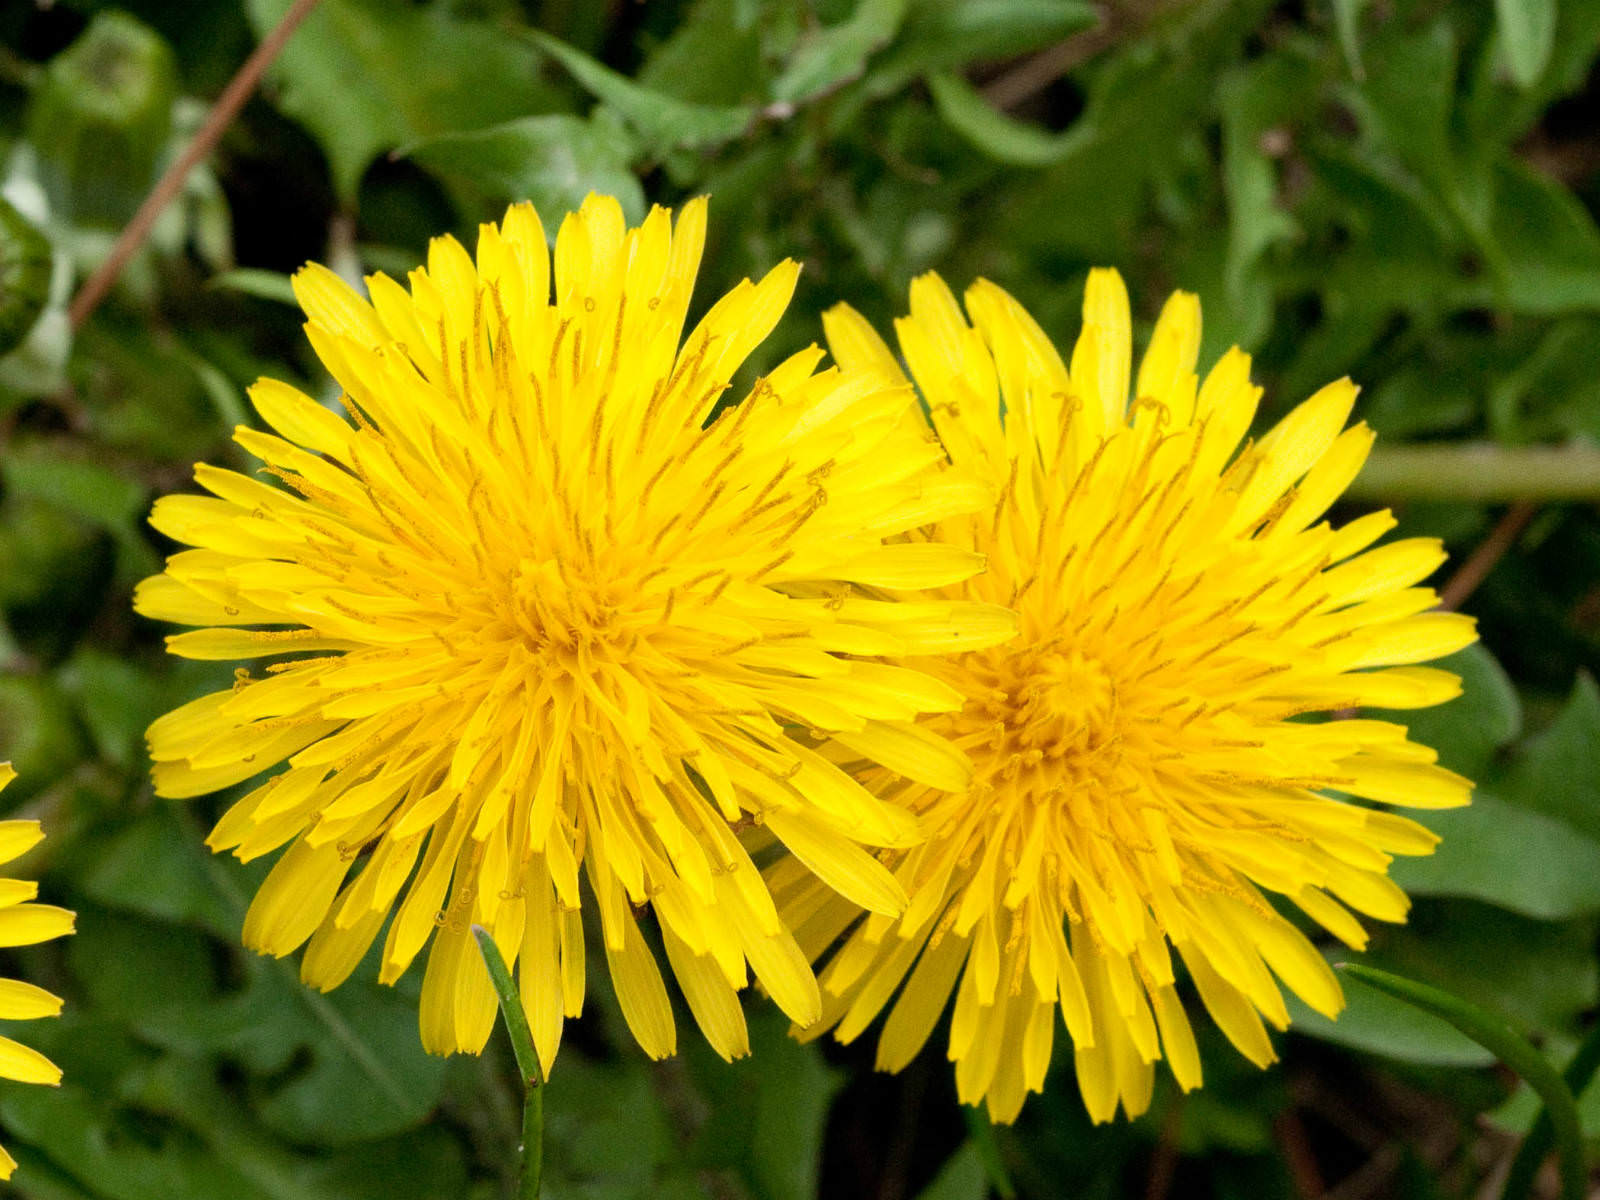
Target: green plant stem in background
[
  {"x": 1536, "y": 1146},
  {"x": 527, "y": 1065},
  {"x": 1482, "y": 472},
  {"x": 1494, "y": 1035}
]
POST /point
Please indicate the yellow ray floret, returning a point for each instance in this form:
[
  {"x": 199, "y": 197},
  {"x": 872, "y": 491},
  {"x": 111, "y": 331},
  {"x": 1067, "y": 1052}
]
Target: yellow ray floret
[
  {"x": 24, "y": 923},
  {"x": 540, "y": 606},
  {"x": 1147, "y": 763}
]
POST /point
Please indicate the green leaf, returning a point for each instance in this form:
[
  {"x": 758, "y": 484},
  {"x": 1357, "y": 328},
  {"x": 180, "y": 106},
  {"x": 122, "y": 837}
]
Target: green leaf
[
  {"x": 1471, "y": 729},
  {"x": 1376, "y": 1023},
  {"x": 980, "y": 1134},
  {"x": 768, "y": 1111},
  {"x": 367, "y": 1076},
  {"x": 339, "y": 1068},
  {"x": 718, "y": 54},
  {"x": 1506, "y": 855},
  {"x": 1549, "y": 247},
  {"x": 154, "y": 866},
  {"x": 1253, "y": 101},
  {"x": 1558, "y": 773},
  {"x": 1527, "y": 35},
  {"x": 1542, "y": 975},
  {"x": 664, "y": 122},
  {"x": 1347, "y": 20},
  {"x": 110, "y": 1159},
  {"x": 834, "y": 54},
  {"x": 938, "y": 36},
  {"x": 961, "y": 1178},
  {"x": 26, "y": 262},
  {"x": 554, "y": 161},
  {"x": 131, "y": 968},
  {"x": 1000, "y": 137},
  {"x": 251, "y": 281},
  {"x": 367, "y": 76},
  {"x": 1404, "y": 107},
  {"x": 1498, "y": 849}
]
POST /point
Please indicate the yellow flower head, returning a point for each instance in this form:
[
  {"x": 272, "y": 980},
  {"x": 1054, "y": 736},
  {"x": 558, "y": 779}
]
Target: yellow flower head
[
  {"x": 24, "y": 923},
  {"x": 541, "y": 606},
  {"x": 1140, "y": 777}
]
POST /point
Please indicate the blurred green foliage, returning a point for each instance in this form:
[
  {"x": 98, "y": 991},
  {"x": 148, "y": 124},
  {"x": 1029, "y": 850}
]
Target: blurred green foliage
[{"x": 1403, "y": 191}]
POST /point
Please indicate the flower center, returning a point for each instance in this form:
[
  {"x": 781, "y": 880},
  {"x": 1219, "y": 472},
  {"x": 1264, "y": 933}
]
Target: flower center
[
  {"x": 562, "y": 619},
  {"x": 1052, "y": 713}
]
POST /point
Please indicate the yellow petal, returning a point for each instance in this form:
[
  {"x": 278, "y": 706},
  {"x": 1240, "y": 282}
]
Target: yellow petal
[
  {"x": 26, "y": 1065},
  {"x": 29, "y": 924}
]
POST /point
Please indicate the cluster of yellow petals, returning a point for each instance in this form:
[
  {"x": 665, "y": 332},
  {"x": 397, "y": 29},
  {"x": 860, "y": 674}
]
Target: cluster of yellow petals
[
  {"x": 1149, "y": 755},
  {"x": 542, "y": 605},
  {"x": 23, "y": 922}
]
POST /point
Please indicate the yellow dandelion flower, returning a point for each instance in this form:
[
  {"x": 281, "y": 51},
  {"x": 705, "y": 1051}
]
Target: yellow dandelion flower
[
  {"x": 541, "y": 607},
  {"x": 24, "y": 923},
  {"x": 1140, "y": 780}
]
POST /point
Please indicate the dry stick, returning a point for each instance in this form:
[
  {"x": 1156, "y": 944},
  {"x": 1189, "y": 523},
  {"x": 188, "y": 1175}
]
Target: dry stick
[
  {"x": 1033, "y": 74},
  {"x": 222, "y": 113},
  {"x": 1489, "y": 552},
  {"x": 1164, "y": 1162},
  {"x": 1304, "y": 1173}
]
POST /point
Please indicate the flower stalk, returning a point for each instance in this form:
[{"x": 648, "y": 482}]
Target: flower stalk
[
  {"x": 532, "y": 1169},
  {"x": 1495, "y": 1036},
  {"x": 1479, "y": 472}
]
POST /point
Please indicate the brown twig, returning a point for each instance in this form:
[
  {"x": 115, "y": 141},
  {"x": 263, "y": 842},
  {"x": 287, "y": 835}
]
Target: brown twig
[
  {"x": 1164, "y": 1162},
  {"x": 222, "y": 113},
  {"x": 1295, "y": 1146},
  {"x": 1489, "y": 552},
  {"x": 1038, "y": 71}
]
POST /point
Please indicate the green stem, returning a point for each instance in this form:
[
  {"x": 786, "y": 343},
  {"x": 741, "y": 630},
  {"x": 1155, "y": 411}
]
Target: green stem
[
  {"x": 1479, "y": 471},
  {"x": 527, "y": 1065},
  {"x": 1536, "y": 1146},
  {"x": 1494, "y": 1035}
]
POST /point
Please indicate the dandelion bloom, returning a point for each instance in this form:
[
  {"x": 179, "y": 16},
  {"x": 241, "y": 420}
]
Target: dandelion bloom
[
  {"x": 24, "y": 923},
  {"x": 1140, "y": 780},
  {"x": 541, "y": 606}
]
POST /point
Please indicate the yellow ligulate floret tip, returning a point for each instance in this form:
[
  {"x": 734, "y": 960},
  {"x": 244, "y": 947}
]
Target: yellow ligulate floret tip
[
  {"x": 548, "y": 623},
  {"x": 24, "y": 923},
  {"x": 1140, "y": 784}
]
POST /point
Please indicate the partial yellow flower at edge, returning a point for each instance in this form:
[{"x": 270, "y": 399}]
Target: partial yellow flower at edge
[
  {"x": 1140, "y": 784},
  {"x": 532, "y": 615},
  {"x": 24, "y": 923}
]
